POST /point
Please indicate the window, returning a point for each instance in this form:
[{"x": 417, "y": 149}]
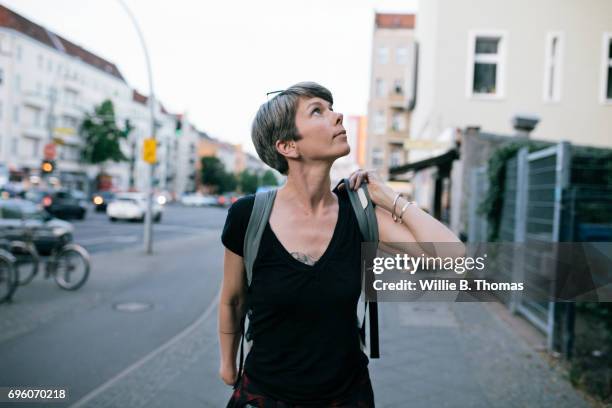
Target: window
[
  {"x": 552, "y": 67},
  {"x": 398, "y": 87},
  {"x": 35, "y": 147},
  {"x": 401, "y": 56},
  {"x": 40, "y": 61},
  {"x": 70, "y": 97},
  {"x": 606, "y": 71},
  {"x": 380, "y": 87},
  {"x": 49, "y": 65},
  {"x": 10, "y": 211},
  {"x": 18, "y": 83},
  {"x": 486, "y": 64},
  {"x": 397, "y": 122},
  {"x": 14, "y": 146},
  {"x": 37, "y": 118},
  {"x": 383, "y": 55},
  {"x": 377, "y": 157},
  {"x": 397, "y": 158},
  {"x": 1, "y": 76},
  {"x": 380, "y": 122},
  {"x": 1, "y": 109},
  {"x": 38, "y": 89},
  {"x": 18, "y": 52},
  {"x": 16, "y": 114}
]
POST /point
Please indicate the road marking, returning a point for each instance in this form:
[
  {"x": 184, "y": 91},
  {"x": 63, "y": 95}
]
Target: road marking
[{"x": 91, "y": 395}]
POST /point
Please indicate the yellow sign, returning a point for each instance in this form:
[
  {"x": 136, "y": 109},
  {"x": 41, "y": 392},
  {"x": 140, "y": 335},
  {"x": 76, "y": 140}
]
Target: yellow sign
[
  {"x": 65, "y": 130},
  {"x": 149, "y": 150}
]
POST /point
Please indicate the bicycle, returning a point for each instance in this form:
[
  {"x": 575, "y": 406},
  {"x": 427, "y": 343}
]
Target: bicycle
[
  {"x": 8, "y": 278},
  {"x": 65, "y": 262}
]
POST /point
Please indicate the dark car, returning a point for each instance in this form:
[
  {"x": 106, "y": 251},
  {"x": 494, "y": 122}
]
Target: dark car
[
  {"x": 100, "y": 199},
  {"x": 60, "y": 203},
  {"x": 17, "y": 217}
]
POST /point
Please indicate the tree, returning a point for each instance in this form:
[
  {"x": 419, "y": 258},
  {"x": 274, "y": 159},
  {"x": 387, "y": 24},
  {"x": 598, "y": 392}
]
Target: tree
[
  {"x": 248, "y": 182},
  {"x": 212, "y": 171},
  {"x": 268, "y": 179},
  {"x": 102, "y": 136},
  {"x": 228, "y": 183}
]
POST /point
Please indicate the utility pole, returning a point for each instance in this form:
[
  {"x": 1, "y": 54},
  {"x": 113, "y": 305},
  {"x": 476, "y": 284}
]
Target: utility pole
[
  {"x": 148, "y": 227},
  {"x": 50, "y": 125}
]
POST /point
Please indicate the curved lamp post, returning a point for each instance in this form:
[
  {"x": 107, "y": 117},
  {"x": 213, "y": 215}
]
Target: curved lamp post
[{"x": 148, "y": 227}]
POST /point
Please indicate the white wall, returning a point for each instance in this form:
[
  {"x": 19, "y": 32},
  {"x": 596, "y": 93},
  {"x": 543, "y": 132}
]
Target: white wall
[{"x": 443, "y": 27}]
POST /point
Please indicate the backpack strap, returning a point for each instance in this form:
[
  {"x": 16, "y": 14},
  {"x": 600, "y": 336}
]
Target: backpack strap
[
  {"x": 257, "y": 224},
  {"x": 363, "y": 207}
]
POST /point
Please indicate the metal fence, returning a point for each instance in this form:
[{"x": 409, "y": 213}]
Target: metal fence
[
  {"x": 477, "y": 223},
  {"x": 562, "y": 193}
]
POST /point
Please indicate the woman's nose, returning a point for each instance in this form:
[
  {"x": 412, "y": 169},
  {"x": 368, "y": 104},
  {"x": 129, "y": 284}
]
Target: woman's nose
[{"x": 340, "y": 118}]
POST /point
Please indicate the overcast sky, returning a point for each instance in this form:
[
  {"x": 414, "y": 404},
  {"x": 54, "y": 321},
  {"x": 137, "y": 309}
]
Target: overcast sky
[{"x": 216, "y": 60}]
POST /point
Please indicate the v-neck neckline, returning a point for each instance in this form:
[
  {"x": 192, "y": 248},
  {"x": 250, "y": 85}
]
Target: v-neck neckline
[{"x": 330, "y": 245}]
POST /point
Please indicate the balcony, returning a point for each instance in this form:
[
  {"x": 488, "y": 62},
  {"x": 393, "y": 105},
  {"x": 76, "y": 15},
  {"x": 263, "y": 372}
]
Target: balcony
[
  {"x": 398, "y": 100},
  {"x": 31, "y": 130},
  {"x": 70, "y": 109},
  {"x": 35, "y": 100}
]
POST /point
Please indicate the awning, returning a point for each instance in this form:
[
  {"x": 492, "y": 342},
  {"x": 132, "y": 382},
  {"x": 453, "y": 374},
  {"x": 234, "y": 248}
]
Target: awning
[{"x": 443, "y": 160}]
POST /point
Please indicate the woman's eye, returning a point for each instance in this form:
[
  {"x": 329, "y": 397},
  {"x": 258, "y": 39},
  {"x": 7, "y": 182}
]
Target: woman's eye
[{"x": 315, "y": 110}]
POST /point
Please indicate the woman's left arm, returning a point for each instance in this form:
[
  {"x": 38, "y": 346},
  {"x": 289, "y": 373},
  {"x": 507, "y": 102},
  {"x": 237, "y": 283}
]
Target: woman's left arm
[{"x": 417, "y": 225}]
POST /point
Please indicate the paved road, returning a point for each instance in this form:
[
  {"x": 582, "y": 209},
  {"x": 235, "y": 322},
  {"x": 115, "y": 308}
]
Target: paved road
[{"x": 97, "y": 233}]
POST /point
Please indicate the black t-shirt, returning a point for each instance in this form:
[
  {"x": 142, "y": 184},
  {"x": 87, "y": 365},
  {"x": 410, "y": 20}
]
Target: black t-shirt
[{"x": 303, "y": 319}]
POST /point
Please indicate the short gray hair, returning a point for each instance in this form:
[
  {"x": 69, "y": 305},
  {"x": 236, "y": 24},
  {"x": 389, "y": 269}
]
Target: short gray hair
[{"x": 275, "y": 120}]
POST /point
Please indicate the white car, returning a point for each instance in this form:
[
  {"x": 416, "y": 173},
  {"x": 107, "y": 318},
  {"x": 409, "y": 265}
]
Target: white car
[
  {"x": 132, "y": 206},
  {"x": 198, "y": 200}
]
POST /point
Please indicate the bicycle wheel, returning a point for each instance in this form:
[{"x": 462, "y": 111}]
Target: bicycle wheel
[
  {"x": 8, "y": 282},
  {"x": 71, "y": 267},
  {"x": 26, "y": 261}
]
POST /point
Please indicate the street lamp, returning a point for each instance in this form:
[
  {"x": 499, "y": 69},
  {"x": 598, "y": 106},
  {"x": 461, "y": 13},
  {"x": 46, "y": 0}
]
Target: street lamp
[{"x": 148, "y": 227}]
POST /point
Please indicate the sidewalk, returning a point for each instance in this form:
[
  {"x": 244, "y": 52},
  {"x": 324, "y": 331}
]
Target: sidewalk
[{"x": 433, "y": 355}]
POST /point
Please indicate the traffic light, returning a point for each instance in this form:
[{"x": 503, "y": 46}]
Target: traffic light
[
  {"x": 47, "y": 166},
  {"x": 178, "y": 130}
]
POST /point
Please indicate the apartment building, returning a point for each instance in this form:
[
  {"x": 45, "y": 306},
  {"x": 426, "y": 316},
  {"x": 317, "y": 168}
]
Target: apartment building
[
  {"x": 391, "y": 89},
  {"x": 48, "y": 83},
  {"x": 483, "y": 62}
]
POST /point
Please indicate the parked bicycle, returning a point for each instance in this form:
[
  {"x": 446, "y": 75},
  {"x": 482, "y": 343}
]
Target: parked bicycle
[
  {"x": 68, "y": 264},
  {"x": 8, "y": 273},
  {"x": 26, "y": 230}
]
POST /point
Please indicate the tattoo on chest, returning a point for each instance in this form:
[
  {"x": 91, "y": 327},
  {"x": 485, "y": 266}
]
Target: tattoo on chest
[{"x": 307, "y": 259}]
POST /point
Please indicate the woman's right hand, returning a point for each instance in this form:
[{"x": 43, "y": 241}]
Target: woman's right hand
[{"x": 228, "y": 373}]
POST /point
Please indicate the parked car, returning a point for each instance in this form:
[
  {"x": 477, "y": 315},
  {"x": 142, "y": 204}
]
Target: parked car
[
  {"x": 227, "y": 199},
  {"x": 17, "y": 215},
  {"x": 198, "y": 200},
  {"x": 100, "y": 199},
  {"x": 132, "y": 206},
  {"x": 60, "y": 203}
]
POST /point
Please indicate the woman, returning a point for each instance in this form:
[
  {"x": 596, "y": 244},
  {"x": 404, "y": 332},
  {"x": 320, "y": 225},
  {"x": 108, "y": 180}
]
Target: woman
[{"x": 302, "y": 302}]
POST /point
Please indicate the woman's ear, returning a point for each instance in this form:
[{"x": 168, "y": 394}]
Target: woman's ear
[{"x": 287, "y": 148}]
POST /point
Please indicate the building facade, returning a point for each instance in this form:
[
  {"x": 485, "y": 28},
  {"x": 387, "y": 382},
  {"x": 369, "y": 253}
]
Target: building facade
[
  {"x": 48, "y": 84},
  {"x": 391, "y": 84},
  {"x": 482, "y": 65}
]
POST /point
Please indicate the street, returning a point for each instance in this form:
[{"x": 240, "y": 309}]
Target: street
[
  {"x": 142, "y": 333},
  {"x": 50, "y": 337},
  {"x": 97, "y": 233}
]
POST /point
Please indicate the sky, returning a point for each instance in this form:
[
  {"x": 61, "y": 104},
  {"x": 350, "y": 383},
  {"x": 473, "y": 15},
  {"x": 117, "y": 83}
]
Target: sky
[{"x": 216, "y": 60}]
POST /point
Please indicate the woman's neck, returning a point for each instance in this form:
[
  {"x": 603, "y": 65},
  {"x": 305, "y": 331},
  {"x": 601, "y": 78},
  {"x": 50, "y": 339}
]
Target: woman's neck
[{"x": 309, "y": 189}]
